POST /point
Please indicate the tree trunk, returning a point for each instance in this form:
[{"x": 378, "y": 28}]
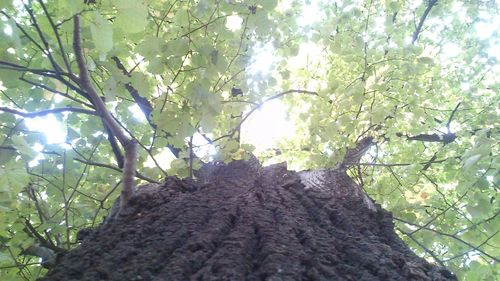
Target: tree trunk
[{"x": 242, "y": 221}]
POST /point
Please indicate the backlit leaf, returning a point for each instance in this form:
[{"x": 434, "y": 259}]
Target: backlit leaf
[{"x": 102, "y": 33}]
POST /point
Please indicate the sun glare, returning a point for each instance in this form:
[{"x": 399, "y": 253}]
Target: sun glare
[
  {"x": 164, "y": 158},
  {"x": 137, "y": 113},
  {"x": 311, "y": 13},
  {"x": 234, "y": 22},
  {"x": 266, "y": 127},
  {"x": 49, "y": 126},
  {"x": 263, "y": 59}
]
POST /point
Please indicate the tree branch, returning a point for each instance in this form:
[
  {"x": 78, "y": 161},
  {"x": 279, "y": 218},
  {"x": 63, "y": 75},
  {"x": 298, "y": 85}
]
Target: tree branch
[
  {"x": 47, "y": 111},
  {"x": 86, "y": 85},
  {"x": 43, "y": 242},
  {"x": 430, "y": 4},
  {"x": 445, "y": 138},
  {"x": 142, "y": 102},
  {"x": 114, "y": 147},
  {"x": 129, "y": 145},
  {"x": 451, "y": 117}
]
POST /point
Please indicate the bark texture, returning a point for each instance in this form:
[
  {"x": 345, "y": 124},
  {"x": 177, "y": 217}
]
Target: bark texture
[{"x": 244, "y": 222}]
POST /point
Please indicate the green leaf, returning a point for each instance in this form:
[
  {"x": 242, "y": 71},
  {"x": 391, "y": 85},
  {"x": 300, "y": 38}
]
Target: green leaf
[
  {"x": 132, "y": 15},
  {"x": 23, "y": 147},
  {"x": 9, "y": 78},
  {"x": 248, "y": 147},
  {"x": 483, "y": 184},
  {"x": 179, "y": 167},
  {"x": 231, "y": 146},
  {"x": 102, "y": 33},
  {"x": 208, "y": 122},
  {"x": 475, "y": 211},
  {"x": 151, "y": 47},
  {"x": 178, "y": 164},
  {"x": 110, "y": 89},
  {"x": 13, "y": 178},
  {"x": 469, "y": 162},
  {"x": 4, "y": 257},
  {"x": 7, "y": 155},
  {"x": 426, "y": 60},
  {"x": 5, "y": 4},
  {"x": 177, "y": 47},
  {"x": 156, "y": 66},
  {"x": 269, "y": 4},
  {"x": 141, "y": 83}
]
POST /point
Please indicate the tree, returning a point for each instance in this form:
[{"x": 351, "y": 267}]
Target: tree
[
  {"x": 421, "y": 78},
  {"x": 246, "y": 222}
]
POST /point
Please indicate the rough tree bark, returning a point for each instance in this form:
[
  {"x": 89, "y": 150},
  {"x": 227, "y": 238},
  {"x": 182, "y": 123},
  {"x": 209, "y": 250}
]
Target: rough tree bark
[{"x": 242, "y": 221}]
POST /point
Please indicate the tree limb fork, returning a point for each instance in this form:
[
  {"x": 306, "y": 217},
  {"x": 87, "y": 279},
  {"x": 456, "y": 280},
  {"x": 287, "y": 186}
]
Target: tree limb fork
[{"x": 129, "y": 145}]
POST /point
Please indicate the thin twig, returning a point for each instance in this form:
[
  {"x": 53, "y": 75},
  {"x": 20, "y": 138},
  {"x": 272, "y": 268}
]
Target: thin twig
[
  {"x": 16, "y": 67},
  {"x": 138, "y": 175},
  {"x": 46, "y": 50},
  {"x": 101, "y": 202},
  {"x": 451, "y": 236},
  {"x": 400, "y": 164},
  {"x": 23, "y": 31},
  {"x": 47, "y": 111},
  {"x": 267, "y": 100},
  {"x": 43, "y": 242},
  {"x": 422, "y": 246},
  {"x": 42, "y": 86},
  {"x": 58, "y": 38}
]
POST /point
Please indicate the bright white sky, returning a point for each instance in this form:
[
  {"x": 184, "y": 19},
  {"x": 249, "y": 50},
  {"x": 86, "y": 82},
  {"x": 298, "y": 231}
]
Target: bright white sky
[{"x": 269, "y": 124}]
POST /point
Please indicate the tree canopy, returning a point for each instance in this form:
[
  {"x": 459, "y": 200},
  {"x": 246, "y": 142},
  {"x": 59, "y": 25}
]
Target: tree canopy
[{"x": 183, "y": 77}]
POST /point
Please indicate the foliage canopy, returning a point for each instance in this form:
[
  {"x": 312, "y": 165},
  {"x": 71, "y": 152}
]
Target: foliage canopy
[{"x": 184, "y": 76}]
